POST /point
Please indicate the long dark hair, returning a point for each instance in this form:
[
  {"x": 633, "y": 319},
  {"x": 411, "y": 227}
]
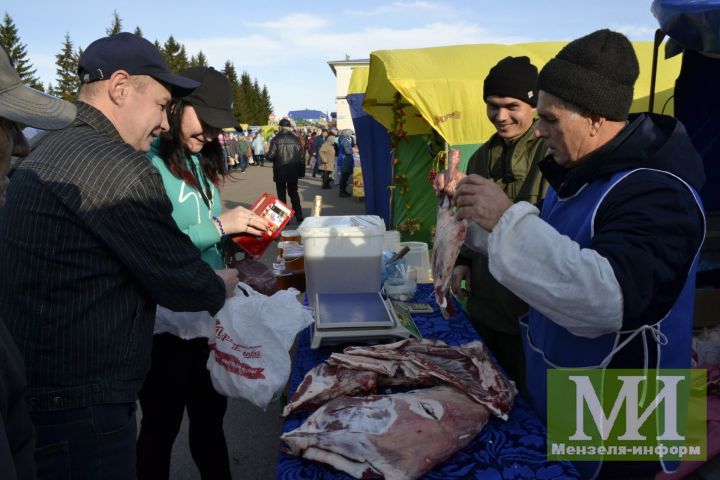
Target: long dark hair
[{"x": 177, "y": 159}]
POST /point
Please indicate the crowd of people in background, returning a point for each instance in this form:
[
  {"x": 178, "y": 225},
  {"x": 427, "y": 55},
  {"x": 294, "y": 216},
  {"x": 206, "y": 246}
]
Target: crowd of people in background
[{"x": 334, "y": 163}]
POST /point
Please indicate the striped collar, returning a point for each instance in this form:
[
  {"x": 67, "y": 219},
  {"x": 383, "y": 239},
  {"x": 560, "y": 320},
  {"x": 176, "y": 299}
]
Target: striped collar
[{"x": 91, "y": 116}]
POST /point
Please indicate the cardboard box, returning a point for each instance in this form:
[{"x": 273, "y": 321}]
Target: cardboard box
[{"x": 707, "y": 308}]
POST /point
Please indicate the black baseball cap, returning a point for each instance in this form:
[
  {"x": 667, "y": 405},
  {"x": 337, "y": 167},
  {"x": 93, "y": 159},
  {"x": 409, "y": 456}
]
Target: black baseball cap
[
  {"x": 132, "y": 53},
  {"x": 213, "y": 99}
]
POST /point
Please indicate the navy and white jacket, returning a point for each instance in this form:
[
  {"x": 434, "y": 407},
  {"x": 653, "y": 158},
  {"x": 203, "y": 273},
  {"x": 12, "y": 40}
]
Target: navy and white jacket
[
  {"x": 646, "y": 231},
  {"x": 611, "y": 280}
]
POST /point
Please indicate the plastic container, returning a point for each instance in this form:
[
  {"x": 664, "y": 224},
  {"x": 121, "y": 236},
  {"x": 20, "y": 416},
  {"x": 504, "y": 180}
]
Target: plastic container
[
  {"x": 342, "y": 254},
  {"x": 419, "y": 257},
  {"x": 391, "y": 241}
]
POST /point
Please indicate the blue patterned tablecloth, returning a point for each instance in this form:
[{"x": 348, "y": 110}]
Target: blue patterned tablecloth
[{"x": 502, "y": 450}]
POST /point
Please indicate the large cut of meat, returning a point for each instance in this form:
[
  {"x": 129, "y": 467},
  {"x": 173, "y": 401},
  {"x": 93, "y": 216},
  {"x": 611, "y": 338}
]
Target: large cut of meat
[
  {"x": 468, "y": 368},
  {"x": 390, "y": 361},
  {"x": 325, "y": 382},
  {"x": 449, "y": 237},
  {"x": 397, "y": 437},
  {"x": 409, "y": 362}
]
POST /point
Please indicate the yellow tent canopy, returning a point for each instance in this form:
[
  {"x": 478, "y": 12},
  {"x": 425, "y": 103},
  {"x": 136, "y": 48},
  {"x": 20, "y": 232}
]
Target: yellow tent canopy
[
  {"x": 442, "y": 87},
  {"x": 358, "y": 80},
  {"x": 267, "y": 130}
]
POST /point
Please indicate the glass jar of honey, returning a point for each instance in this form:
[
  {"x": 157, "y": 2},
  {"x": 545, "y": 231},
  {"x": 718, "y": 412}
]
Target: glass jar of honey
[{"x": 290, "y": 236}]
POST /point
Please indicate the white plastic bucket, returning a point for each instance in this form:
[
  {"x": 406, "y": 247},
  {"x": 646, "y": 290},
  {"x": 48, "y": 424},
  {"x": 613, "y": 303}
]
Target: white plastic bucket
[{"x": 342, "y": 253}]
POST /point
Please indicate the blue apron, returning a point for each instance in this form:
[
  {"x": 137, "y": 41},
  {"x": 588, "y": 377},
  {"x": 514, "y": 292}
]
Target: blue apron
[{"x": 548, "y": 345}]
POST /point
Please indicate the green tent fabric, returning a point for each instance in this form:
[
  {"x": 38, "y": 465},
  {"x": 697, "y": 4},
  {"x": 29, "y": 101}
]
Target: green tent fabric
[{"x": 418, "y": 204}]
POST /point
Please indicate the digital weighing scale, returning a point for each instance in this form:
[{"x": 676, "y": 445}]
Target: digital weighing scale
[{"x": 355, "y": 318}]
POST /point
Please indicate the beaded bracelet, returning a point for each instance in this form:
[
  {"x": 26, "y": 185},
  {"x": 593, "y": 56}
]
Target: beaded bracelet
[{"x": 219, "y": 224}]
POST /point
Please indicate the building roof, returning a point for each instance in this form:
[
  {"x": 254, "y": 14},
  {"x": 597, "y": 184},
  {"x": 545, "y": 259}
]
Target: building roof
[
  {"x": 348, "y": 62},
  {"x": 306, "y": 114}
]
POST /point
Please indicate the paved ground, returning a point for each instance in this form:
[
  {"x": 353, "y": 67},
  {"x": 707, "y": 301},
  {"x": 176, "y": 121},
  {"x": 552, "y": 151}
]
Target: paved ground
[{"x": 253, "y": 435}]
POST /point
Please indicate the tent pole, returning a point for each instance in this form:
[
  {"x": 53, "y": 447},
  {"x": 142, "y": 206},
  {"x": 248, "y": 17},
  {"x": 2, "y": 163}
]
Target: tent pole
[{"x": 659, "y": 36}]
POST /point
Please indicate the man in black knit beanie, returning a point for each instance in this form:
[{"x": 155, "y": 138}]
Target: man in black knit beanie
[
  {"x": 509, "y": 158},
  {"x": 596, "y": 73},
  {"x": 608, "y": 266}
]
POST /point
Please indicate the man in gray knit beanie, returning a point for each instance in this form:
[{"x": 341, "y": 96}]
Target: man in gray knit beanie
[{"x": 614, "y": 249}]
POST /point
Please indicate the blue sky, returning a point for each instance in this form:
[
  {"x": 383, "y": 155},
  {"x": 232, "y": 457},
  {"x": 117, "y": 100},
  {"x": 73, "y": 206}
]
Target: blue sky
[{"x": 286, "y": 44}]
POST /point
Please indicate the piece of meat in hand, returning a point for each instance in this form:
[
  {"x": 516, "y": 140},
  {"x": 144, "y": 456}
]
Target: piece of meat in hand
[{"x": 449, "y": 237}]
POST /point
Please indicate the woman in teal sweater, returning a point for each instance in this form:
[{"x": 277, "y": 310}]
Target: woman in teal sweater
[{"x": 190, "y": 160}]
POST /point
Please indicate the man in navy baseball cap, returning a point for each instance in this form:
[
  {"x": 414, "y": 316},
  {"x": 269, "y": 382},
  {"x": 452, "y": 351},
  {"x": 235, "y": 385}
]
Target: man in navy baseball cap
[
  {"x": 131, "y": 53},
  {"x": 125, "y": 77},
  {"x": 88, "y": 194}
]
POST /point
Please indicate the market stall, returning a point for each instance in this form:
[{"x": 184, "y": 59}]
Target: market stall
[
  {"x": 515, "y": 448},
  {"x": 430, "y": 96}
]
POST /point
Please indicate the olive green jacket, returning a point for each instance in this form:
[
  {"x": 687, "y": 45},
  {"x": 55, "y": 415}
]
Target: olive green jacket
[{"x": 513, "y": 167}]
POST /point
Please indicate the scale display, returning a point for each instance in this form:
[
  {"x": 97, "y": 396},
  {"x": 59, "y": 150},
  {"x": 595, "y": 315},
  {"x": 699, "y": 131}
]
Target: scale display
[
  {"x": 355, "y": 318},
  {"x": 352, "y": 310}
]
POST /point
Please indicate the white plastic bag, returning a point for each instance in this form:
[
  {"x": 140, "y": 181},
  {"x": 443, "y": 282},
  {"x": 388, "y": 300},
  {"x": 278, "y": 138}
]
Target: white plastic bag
[
  {"x": 253, "y": 335},
  {"x": 186, "y": 325}
]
